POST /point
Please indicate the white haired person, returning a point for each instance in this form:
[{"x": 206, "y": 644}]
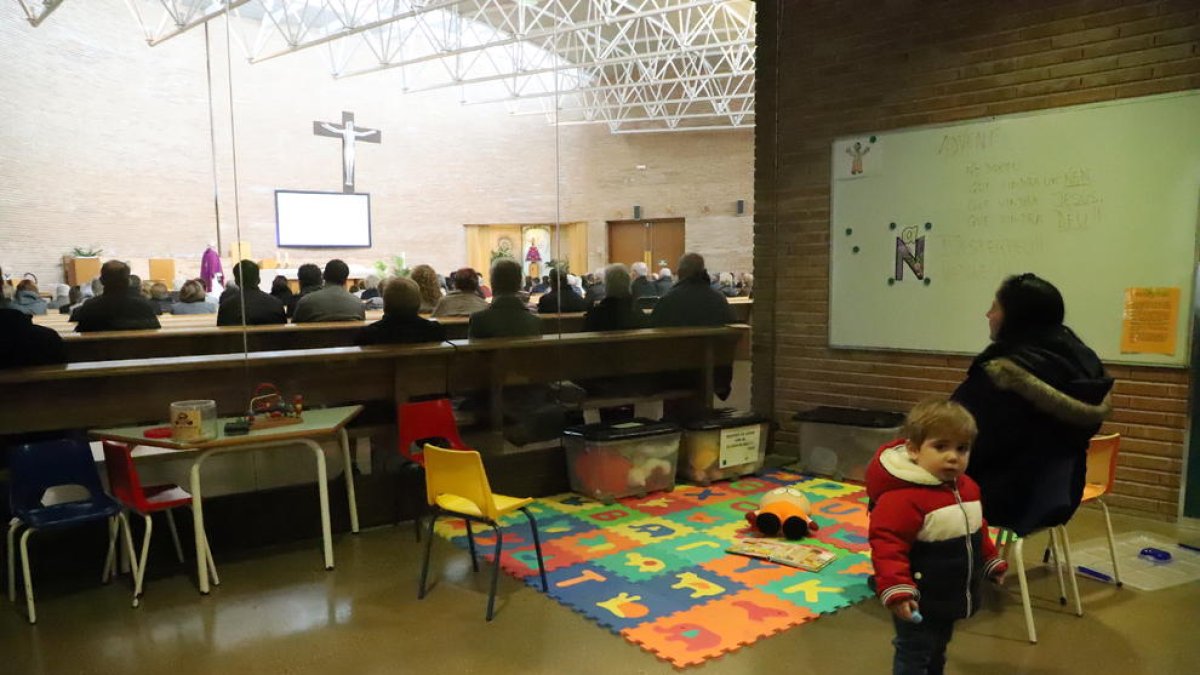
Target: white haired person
[{"x": 640, "y": 285}]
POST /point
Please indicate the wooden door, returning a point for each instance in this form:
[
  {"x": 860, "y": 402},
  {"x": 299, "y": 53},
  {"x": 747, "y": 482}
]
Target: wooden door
[
  {"x": 666, "y": 243},
  {"x": 628, "y": 241}
]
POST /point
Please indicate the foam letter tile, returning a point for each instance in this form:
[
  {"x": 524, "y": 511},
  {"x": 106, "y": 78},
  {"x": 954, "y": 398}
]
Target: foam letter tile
[
  {"x": 659, "y": 503},
  {"x": 702, "y": 495},
  {"x": 695, "y": 548},
  {"x": 690, "y": 637},
  {"x": 817, "y": 489},
  {"x": 848, "y": 511},
  {"x": 752, "y": 572},
  {"x": 847, "y": 537},
  {"x": 569, "y": 503},
  {"x": 607, "y": 515},
  {"x": 591, "y": 544},
  {"x": 651, "y": 530},
  {"x": 642, "y": 563},
  {"x": 821, "y": 592}
]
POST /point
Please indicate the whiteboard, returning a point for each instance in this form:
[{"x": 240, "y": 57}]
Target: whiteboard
[{"x": 1096, "y": 199}]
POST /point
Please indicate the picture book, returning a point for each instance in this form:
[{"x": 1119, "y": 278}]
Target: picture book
[{"x": 804, "y": 556}]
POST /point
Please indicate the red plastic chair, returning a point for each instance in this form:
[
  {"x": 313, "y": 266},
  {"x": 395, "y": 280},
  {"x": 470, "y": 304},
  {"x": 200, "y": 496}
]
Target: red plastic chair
[
  {"x": 424, "y": 420},
  {"x": 420, "y": 422},
  {"x": 126, "y": 486}
]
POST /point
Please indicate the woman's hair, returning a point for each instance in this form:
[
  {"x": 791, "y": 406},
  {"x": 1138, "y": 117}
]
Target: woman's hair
[
  {"x": 158, "y": 291},
  {"x": 191, "y": 291},
  {"x": 427, "y": 281},
  {"x": 27, "y": 285},
  {"x": 279, "y": 285},
  {"x": 616, "y": 281},
  {"x": 466, "y": 281},
  {"x": 939, "y": 416},
  {"x": 1031, "y": 305}
]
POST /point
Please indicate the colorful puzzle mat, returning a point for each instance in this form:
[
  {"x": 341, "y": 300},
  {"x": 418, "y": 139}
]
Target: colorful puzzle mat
[{"x": 654, "y": 569}]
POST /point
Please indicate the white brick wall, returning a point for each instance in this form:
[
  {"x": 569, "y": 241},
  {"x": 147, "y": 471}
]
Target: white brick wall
[{"x": 105, "y": 141}]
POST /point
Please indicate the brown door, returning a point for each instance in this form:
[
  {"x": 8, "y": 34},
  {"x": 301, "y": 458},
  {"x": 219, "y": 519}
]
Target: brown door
[
  {"x": 658, "y": 243},
  {"x": 628, "y": 241},
  {"x": 666, "y": 243}
]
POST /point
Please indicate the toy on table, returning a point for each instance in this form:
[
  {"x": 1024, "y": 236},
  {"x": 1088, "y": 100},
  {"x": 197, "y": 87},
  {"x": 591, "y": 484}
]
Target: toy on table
[
  {"x": 268, "y": 408},
  {"x": 1154, "y": 555},
  {"x": 783, "y": 511}
]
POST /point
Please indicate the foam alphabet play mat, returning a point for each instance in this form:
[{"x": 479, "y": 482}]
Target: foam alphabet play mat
[{"x": 655, "y": 571}]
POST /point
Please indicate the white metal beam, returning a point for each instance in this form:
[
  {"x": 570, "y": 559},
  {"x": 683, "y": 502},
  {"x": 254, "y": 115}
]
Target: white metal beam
[{"x": 36, "y": 11}]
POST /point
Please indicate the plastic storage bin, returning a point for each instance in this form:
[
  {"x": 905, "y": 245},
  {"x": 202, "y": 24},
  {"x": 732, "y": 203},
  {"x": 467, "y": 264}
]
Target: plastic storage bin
[
  {"x": 610, "y": 461},
  {"x": 840, "y": 442},
  {"x": 727, "y": 445}
]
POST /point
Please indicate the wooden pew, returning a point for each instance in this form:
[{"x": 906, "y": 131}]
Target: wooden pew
[
  {"x": 197, "y": 335},
  {"x": 109, "y": 393}
]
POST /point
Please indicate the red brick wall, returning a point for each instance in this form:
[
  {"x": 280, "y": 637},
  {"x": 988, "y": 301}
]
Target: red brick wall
[{"x": 835, "y": 68}]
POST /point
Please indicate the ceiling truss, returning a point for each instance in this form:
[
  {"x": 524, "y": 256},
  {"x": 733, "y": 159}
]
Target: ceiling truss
[{"x": 633, "y": 65}]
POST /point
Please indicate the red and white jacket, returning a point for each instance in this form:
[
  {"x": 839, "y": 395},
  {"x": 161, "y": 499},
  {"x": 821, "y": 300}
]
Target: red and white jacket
[{"x": 929, "y": 541}]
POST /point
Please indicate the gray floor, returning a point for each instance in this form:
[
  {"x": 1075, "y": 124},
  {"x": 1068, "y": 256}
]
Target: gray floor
[{"x": 277, "y": 611}]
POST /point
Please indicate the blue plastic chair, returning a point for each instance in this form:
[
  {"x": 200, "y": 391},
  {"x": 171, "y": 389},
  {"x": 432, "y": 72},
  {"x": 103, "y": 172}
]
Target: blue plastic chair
[{"x": 37, "y": 467}]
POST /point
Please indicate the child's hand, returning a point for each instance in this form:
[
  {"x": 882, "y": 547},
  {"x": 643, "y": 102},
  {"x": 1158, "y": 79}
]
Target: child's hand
[
  {"x": 904, "y": 609},
  {"x": 999, "y": 577}
]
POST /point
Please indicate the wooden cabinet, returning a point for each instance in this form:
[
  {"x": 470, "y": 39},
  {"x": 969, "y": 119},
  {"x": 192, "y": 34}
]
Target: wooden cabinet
[{"x": 81, "y": 270}]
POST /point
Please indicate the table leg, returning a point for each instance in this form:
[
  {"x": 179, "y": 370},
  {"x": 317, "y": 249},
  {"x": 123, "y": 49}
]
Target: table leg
[
  {"x": 198, "y": 525},
  {"x": 323, "y": 491},
  {"x": 349, "y": 471}
]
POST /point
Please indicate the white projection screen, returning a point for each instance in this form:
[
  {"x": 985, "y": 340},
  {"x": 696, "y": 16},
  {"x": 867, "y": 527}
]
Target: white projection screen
[{"x": 322, "y": 219}]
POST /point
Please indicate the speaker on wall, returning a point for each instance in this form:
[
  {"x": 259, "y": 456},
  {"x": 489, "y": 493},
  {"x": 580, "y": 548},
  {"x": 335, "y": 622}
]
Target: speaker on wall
[
  {"x": 637, "y": 212},
  {"x": 741, "y": 207}
]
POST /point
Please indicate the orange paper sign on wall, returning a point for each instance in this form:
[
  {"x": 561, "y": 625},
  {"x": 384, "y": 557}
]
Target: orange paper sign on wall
[{"x": 1149, "y": 321}]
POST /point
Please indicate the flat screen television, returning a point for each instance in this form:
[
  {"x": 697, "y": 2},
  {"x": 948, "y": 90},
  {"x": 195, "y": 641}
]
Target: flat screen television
[{"x": 322, "y": 219}]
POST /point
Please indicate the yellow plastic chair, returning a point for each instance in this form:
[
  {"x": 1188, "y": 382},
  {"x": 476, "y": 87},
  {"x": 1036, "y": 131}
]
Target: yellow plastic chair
[
  {"x": 1101, "y": 472},
  {"x": 457, "y": 486}
]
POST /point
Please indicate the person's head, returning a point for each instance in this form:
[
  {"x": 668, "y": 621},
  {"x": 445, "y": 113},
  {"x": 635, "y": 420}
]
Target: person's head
[
  {"x": 309, "y": 275},
  {"x": 96, "y": 287},
  {"x": 401, "y": 297},
  {"x": 664, "y": 273},
  {"x": 639, "y": 269},
  {"x": 616, "y": 281},
  {"x": 27, "y": 285},
  {"x": 747, "y": 280},
  {"x": 506, "y": 276},
  {"x": 336, "y": 273},
  {"x": 1025, "y": 304},
  {"x": 135, "y": 284},
  {"x": 557, "y": 279},
  {"x": 691, "y": 266},
  {"x": 62, "y": 291},
  {"x": 115, "y": 277},
  {"x": 279, "y": 285},
  {"x": 938, "y": 436},
  {"x": 74, "y": 295},
  {"x": 191, "y": 291},
  {"x": 372, "y": 281},
  {"x": 427, "y": 282},
  {"x": 246, "y": 274},
  {"x": 159, "y": 291},
  {"x": 725, "y": 278},
  {"x": 465, "y": 280}
]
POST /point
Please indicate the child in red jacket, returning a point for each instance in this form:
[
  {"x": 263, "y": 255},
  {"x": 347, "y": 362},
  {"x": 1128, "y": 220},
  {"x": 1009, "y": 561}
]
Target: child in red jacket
[{"x": 929, "y": 542}]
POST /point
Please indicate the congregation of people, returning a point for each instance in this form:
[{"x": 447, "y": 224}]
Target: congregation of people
[{"x": 618, "y": 297}]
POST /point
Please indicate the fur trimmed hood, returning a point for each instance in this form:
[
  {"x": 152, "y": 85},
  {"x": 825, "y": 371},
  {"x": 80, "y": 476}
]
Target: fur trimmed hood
[{"x": 1008, "y": 376}]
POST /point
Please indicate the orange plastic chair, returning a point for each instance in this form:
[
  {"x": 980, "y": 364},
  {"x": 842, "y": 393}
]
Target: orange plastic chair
[
  {"x": 126, "y": 486},
  {"x": 457, "y": 486},
  {"x": 1101, "y": 472}
]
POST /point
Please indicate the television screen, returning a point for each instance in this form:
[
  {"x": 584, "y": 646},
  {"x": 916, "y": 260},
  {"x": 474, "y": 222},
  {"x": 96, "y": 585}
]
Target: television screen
[{"x": 322, "y": 219}]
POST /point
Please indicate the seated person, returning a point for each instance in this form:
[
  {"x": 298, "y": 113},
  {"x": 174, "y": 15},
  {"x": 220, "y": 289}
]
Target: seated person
[
  {"x": 135, "y": 287},
  {"x": 118, "y": 308},
  {"x": 642, "y": 286},
  {"x": 192, "y": 300},
  {"x": 400, "y": 323},
  {"x": 561, "y": 297},
  {"x": 74, "y": 299},
  {"x": 507, "y": 316},
  {"x": 692, "y": 302},
  {"x": 616, "y": 310},
  {"x": 282, "y": 291},
  {"x": 23, "y": 343},
  {"x": 309, "y": 276},
  {"x": 541, "y": 286},
  {"x": 431, "y": 288},
  {"x": 230, "y": 289},
  {"x": 261, "y": 308},
  {"x": 665, "y": 281},
  {"x": 160, "y": 297},
  {"x": 464, "y": 300},
  {"x": 370, "y": 287},
  {"x": 27, "y": 299},
  {"x": 333, "y": 302},
  {"x": 62, "y": 297},
  {"x": 594, "y": 283}
]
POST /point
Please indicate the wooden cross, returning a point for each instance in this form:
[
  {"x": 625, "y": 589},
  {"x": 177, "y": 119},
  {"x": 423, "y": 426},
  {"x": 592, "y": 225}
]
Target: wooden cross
[{"x": 349, "y": 134}]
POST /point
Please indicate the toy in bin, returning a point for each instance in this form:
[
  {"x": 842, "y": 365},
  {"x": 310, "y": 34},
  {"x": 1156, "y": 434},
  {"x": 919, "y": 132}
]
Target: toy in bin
[
  {"x": 611, "y": 461},
  {"x": 269, "y": 409}
]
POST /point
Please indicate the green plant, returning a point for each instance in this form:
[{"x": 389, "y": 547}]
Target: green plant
[
  {"x": 86, "y": 251},
  {"x": 502, "y": 253},
  {"x": 399, "y": 268},
  {"x": 563, "y": 266}
]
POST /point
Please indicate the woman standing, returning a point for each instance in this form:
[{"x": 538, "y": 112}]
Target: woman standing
[{"x": 1038, "y": 394}]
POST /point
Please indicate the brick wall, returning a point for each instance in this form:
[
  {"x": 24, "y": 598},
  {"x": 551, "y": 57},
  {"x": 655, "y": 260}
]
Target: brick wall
[
  {"x": 105, "y": 141},
  {"x": 833, "y": 68}
]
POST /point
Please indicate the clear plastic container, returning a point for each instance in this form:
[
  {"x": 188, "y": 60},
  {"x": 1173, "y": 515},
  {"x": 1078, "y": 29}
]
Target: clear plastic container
[
  {"x": 727, "y": 445},
  {"x": 611, "y": 461},
  {"x": 193, "y": 421},
  {"x": 840, "y": 442}
]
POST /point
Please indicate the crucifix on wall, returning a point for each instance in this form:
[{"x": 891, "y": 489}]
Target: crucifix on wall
[{"x": 349, "y": 134}]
